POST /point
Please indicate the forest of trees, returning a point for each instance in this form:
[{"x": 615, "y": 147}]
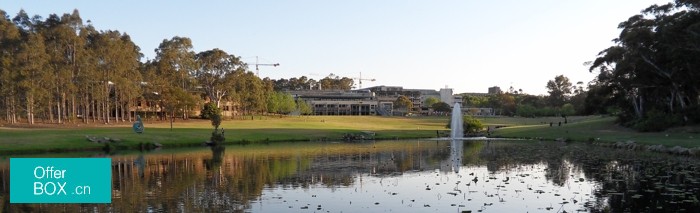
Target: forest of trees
[
  {"x": 61, "y": 69},
  {"x": 650, "y": 77}
]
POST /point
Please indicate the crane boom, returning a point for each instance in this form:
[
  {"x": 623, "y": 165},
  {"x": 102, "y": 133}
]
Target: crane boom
[
  {"x": 257, "y": 65},
  {"x": 359, "y": 79}
]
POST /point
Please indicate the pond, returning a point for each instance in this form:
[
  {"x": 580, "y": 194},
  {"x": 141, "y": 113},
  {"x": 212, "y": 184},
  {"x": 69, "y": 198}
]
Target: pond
[{"x": 392, "y": 176}]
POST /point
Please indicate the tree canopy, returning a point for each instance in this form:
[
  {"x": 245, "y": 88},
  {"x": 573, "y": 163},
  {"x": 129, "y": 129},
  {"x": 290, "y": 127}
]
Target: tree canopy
[
  {"x": 653, "y": 66},
  {"x": 403, "y": 102},
  {"x": 559, "y": 89}
]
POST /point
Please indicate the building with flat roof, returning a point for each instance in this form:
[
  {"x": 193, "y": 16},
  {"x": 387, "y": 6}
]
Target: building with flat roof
[
  {"x": 379, "y": 100},
  {"x": 338, "y": 102},
  {"x": 495, "y": 90},
  {"x": 417, "y": 96}
]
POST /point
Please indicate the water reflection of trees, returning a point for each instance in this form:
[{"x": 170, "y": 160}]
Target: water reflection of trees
[
  {"x": 641, "y": 181},
  {"x": 629, "y": 181},
  {"x": 214, "y": 180},
  {"x": 504, "y": 156},
  {"x": 218, "y": 181}
]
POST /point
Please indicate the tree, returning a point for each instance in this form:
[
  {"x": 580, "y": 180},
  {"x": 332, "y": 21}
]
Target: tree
[
  {"x": 430, "y": 101},
  {"x": 9, "y": 40},
  {"x": 304, "y": 108},
  {"x": 471, "y": 125},
  {"x": 441, "y": 107},
  {"x": 209, "y": 110},
  {"x": 504, "y": 103},
  {"x": 653, "y": 64},
  {"x": 334, "y": 82},
  {"x": 273, "y": 103},
  {"x": 64, "y": 46},
  {"x": 475, "y": 101},
  {"x": 213, "y": 72},
  {"x": 402, "y": 102},
  {"x": 250, "y": 91},
  {"x": 558, "y": 90},
  {"x": 32, "y": 61},
  {"x": 287, "y": 104},
  {"x": 175, "y": 61},
  {"x": 281, "y": 103},
  {"x": 116, "y": 64},
  {"x": 175, "y": 99}
]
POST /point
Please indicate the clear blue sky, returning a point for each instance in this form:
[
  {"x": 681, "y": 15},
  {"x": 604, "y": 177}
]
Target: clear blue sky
[{"x": 467, "y": 45}]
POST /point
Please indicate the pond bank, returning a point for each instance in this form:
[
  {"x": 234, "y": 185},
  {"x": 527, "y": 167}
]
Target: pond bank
[
  {"x": 602, "y": 130},
  {"x": 110, "y": 144}
]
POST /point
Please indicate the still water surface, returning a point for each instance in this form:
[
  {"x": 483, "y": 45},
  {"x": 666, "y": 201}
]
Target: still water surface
[{"x": 392, "y": 176}]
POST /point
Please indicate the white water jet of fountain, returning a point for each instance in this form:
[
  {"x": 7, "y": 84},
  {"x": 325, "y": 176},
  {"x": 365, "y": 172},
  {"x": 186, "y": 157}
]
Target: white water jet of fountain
[
  {"x": 456, "y": 124},
  {"x": 456, "y": 134}
]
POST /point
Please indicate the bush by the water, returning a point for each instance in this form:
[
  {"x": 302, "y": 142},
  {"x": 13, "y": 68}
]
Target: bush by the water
[
  {"x": 470, "y": 125},
  {"x": 209, "y": 110}
]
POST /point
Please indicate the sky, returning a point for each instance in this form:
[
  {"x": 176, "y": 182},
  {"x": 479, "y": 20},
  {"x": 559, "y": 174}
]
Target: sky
[{"x": 466, "y": 45}]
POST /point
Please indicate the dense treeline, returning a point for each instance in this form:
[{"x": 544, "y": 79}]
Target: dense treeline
[
  {"x": 61, "y": 69},
  {"x": 564, "y": 99},
  {"x": 330, "y": 82},
  {"x": 650, "y": 76},
  {"x": 58, "y": 68}
]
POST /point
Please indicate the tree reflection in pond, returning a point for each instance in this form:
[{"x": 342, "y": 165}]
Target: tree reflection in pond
[{"x": 394, "y": 176}]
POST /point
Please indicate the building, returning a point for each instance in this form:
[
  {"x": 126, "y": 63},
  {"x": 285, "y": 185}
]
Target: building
[
  {"x": 379, "y": 100},
  {"x": 417, "y": 96},
  {"x": 337, "y": 102},
  {"x": 495, "y": 90},
  {"x": 446, "y": 96}
]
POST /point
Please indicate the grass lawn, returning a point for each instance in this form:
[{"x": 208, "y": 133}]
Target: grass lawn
[
  {"x": 194, "y": 132},
  {"x": 601, "y": 129},
  {"x": 49, "y": 138}
]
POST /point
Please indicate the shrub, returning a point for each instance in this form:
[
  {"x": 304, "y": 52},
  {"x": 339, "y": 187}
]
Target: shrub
[
  {"x": 472, "y": 125},
  {"x": 656, "y": 121},
  {"x": 209, "y": 110}
]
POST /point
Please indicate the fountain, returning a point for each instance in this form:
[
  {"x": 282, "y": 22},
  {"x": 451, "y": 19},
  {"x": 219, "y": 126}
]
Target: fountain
[
  {"x": 456, "y": 124},
  {"x": 456, "y": 134}
]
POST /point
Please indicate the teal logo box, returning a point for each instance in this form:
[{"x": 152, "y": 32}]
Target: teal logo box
[{"x": 60, "y": 180}]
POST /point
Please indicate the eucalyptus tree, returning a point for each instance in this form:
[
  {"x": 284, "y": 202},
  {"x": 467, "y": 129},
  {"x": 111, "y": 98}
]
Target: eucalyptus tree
[
  {"x": 175, "y": 61},
  {"x": 9, "y": 41},
  {"x": 31, "y": 60},
  {"x": 281, "y": 103},
  {"x": 559, "y": 90},
  {"x": 430, "y": 101},
  {"x": 304, "y": 107},
  {"x": 653, "y": 64},
  {"x": 63, "y": 44},
  {"x": 86, "y": 75},
  {"x": 213, "y": 73},
  {"x": 403, "y": 102},
  {"x": 441, "y": 107},
  {"x": 28, "y": 64},
  {"x": 335, "y": 82},
  {"x": 117, "y": 63},
  {"x": 127, "y": 78},
  {"x": 249, "y": 91}
]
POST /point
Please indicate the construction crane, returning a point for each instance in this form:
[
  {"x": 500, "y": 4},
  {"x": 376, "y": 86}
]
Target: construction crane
[
  {"x": 360, "y": 79},
  {"x": 257, "y": 65}
]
